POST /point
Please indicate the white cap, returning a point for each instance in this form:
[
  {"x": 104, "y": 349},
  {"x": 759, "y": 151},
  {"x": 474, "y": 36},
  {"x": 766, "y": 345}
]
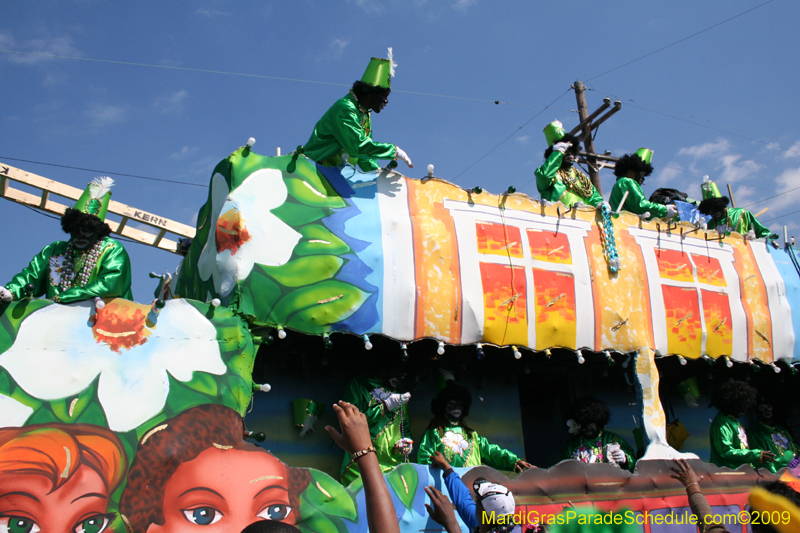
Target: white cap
[{"x": 494, "y": 498}]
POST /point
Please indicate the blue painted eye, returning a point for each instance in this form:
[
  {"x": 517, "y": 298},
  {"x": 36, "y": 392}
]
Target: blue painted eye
[
  {"x": 277, "y": 512},
  {"x": 18, "y": 524},
  {"x": 94, "y": 524},
  {"x": 202, "y": 516}
]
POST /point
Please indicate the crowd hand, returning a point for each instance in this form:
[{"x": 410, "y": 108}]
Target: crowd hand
[
  {"x": 395, "y": 401},
  {"x": 441, "y": 509},
  {"x": 523, "y": 465},
  {"x": 767, "y": 457},
  {"x": 438, "y": 460},
  {"x": 562, "y": 147},
  {"x": 403, "y": 156},
  {"x": 404, "y": 446},
  {"x": 355, "y": 430},
  {"x": 5, "y": 294},
  {"x": 672, "y": 211},
  {"x": 684, "y": 473}
]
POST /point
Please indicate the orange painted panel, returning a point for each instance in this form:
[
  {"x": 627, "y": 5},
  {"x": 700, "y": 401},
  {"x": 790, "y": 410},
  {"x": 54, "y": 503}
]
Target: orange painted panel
[
  {"x": 717, "y": 313},
  {"x": 505, "y": 304},
  {"x": 549, "y": 246},
  {"x": 709, "y": 270},
  {"x": 674, "y": 265},
  {"x": 684, "y": 331},
  {"x": 555, "y": 309},
  {"x": 498, "y": 239}
]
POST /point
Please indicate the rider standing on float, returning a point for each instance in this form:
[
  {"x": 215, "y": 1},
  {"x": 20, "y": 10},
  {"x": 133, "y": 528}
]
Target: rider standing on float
[
  {"x": 557, "y": 180},
  {"x": 88, "y": 265},
  {"x": 631, "y": 170},
  {"x": 346, "y": 128}
]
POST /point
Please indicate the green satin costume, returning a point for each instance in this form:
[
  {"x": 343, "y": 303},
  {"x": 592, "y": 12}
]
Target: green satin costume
[
  {"x": 742, "y": 221},
  {"x": 478, "y": 451},
  {"x": 775, "y": 439},
  {"x": 729, "y": 443},
  {"x": 110, "y": 277},
  {"x": 347, "y": 128},
  {"x": 592, "y": 450},
  {"x": 384, "y": 425},
  {"x": 636, "y": 201},
  {"x": 559, "y": 188}
]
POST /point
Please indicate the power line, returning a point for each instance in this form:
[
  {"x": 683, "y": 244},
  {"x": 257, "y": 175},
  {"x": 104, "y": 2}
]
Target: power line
[
  {"x": 104, "y": 172},
  {"x": 681, "y": 40},
  {"x": 780, "y": 216},
  {"x": 259, "y": 76},
  {"x": 513, "y": 133}
]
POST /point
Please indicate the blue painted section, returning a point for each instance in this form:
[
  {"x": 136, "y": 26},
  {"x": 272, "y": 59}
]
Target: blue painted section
[{"x": 791, "y": 280}]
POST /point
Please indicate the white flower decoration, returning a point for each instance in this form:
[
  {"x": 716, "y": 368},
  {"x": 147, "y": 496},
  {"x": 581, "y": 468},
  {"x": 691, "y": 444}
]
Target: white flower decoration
[
  {"x": 133, "y": 384},
  {"x": 244, "y": 231},
  {"x": 742, "y": 437},
  {"x": 12, "y": 412},
  {"x": 456, "y": 442}
]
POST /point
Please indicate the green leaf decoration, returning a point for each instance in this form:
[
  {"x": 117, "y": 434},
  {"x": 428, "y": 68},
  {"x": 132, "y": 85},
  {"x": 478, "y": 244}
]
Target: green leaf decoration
[
  {"x": 312, "y": 520},
  {"x": 92, "y": 414},
  {"x": 355, "y": 487},
  {"x": 69, "y": 409},
  {"x": 203, "y": 382},
  {"x": 404, "y": 480},
  {"x": 244, "y": 162},
  {"x": 181, "y": 397},
  {"x": 317, "y": 239},
  {"x": 305, "y": 270},
  {"x": 259, "y": 294},
  {"x": 150, "y": 424},
  {"x": 310, "y": 309},
  {"x": 12, "y": 317},
  {"x": 295, "y": 214},
  {"x": 328, "y": 495},
  {"x": 314, "y": 194}
]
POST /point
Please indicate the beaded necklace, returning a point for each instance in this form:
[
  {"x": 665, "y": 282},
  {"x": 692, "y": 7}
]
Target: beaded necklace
[
  {"x": 82, "y": 267},
  {"x": 576, "y": 182}
]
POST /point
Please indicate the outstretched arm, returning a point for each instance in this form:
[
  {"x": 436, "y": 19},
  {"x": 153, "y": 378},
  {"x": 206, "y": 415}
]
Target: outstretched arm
[{"x": 355, "y": 439}]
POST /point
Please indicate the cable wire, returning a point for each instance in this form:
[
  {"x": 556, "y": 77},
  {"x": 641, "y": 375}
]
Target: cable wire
[
  {"x": 681, "y": 40},
  {"x": 105, "y": 172},
  {"x": 513, "y": 133}
]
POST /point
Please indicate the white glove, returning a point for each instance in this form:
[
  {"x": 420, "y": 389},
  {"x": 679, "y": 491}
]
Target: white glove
[
  {"x": 618, "y": 456},
  {"x": 672, "y": 211},
  {"x": 392, "y": 401},
  {"x": 5, "y": 294},
  {"x": 562, "y": 147},
  {"x": 402, "y": 156},
  {"x": 722, "y": 229}
]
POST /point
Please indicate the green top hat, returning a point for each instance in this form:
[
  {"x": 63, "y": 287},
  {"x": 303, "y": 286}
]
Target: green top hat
[
  {"x": 645, "y": 154},
  {"x": 380, "y": 71},
  {"x": 553, "y": 132},
  {"x": 95, "y": 199}
]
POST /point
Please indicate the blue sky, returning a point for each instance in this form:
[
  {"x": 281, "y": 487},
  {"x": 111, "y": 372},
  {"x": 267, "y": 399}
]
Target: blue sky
[{"x": 718, "y": 103}]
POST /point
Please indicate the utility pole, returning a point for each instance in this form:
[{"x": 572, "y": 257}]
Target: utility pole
[{"x": 588, "y": 142}]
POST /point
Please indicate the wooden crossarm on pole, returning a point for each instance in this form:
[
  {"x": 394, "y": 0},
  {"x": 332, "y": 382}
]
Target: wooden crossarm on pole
[{"x": 48, "y": 187}]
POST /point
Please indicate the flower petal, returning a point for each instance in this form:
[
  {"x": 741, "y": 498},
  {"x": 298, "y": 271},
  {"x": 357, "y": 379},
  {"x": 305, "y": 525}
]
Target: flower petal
[
  {"x": 12, "y": 412},
  {"x": 207, "y": 263}
]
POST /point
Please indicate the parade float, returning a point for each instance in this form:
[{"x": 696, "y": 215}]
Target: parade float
[{"x": 127, "y": 416}]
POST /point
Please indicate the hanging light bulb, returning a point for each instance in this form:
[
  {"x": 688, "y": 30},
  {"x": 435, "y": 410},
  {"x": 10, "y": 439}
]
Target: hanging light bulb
[
  {"x": 367, "y": 343},
  {"x": 250, "y": 142},
  {"x": 517, "y": 354},
  {"x": 404, "y": 348},
  {"x": 476, "y": 190},
  {"x": 610, "y": 360},
  {"x": 707, "y": 359},
  {"x": 776, "y": 368},
  {"x": 440, "y": 349},
  {"x": 480, "y": 353},
  {"x": 682, "y": 359},
  {"x": 327, "y": 340},
  {"x": 754, "y": 366},
  {"x": 581, "y": 358},
  {"x": 281, "y": 332},
  {"x": 430, "y": 170},
  {"x": 216, "y": 302},
  {"x": 265, "y": 387},
  {"x": 627, "y": 361},
  {"x": 548, "y": 353},
  {"x": 728, "y": 362}
]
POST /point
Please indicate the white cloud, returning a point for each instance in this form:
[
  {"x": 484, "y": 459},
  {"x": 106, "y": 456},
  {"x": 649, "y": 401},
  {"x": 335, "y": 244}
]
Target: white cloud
[
  {"x": 793, "y": 152},
  {"x": 710, "y": 149},
  {"x": 184, "y": 152},
  {"x": 371, "y": 7},
  {"x": 463, "y": 5},
  {"x": 523, "y": 139},
  {"x": 212, "y": 13},
  {"x": 172, "y": 103},
  {"x": 733, "y": 170},
  {"x": 102, "y": 114},
  {"x": 336, "y": 48},
  {"x": 37, "y": 51}
]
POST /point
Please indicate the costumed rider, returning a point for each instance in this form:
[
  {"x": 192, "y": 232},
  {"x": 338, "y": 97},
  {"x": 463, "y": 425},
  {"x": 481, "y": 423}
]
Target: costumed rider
[
  {"x": 387, "y": 415},
  {"x": 726, "y": 219},
  {"x": 88, "y": 265},
  {"x": 729, "y": 443},
  {"x": 767, "y": 434},
  {"x": 461, "y": 445},
  {"x": 591, "y": 443},
  {"x": 558, "y": 180},
  {"x": 346, "y": 128},
  {"x": 631, "y": 170}
]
